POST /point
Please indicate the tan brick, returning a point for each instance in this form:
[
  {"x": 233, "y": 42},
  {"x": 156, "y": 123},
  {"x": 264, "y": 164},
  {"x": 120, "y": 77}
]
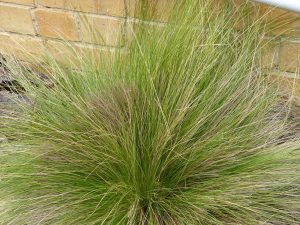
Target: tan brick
[
  {"x": 22, "y": 47},
  {"x": 107, "y": 7},
  {"x": 70, "y": 54},
  {"x": 147, "y": 27},
  {"x": 290, "y": 57},
  {"x": 287, "y": 84},
  {"x": 158, "y": 10},
  {"x": 280, "y": 22},
  {"x": 62, "y": 51},
  {"x": 21, "y": 2},
  {"x": 269, "y": 55},
  {"x": 56, "y": 24},
  {"x": 102, "y": 30},
  {"x": 16, "y": 19}
]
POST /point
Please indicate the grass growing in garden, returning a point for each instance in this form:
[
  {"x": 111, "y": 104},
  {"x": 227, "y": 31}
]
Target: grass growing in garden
[{"x": 181, "y": 128}]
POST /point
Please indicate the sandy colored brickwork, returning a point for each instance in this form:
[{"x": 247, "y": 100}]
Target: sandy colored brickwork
[{"x": 27, "y": 27}]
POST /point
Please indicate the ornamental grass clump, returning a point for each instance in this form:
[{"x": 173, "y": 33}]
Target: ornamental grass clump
[{"x": 182, "y": 127}]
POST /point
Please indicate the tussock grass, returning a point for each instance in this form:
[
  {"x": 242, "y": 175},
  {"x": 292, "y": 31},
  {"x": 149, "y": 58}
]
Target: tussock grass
[{"x": 183, "y": 128}]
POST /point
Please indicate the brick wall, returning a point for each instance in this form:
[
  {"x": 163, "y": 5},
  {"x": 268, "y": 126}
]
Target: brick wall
[
  {"x": 282, "y": 56},
  {"x": 30, "y": 26}
]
